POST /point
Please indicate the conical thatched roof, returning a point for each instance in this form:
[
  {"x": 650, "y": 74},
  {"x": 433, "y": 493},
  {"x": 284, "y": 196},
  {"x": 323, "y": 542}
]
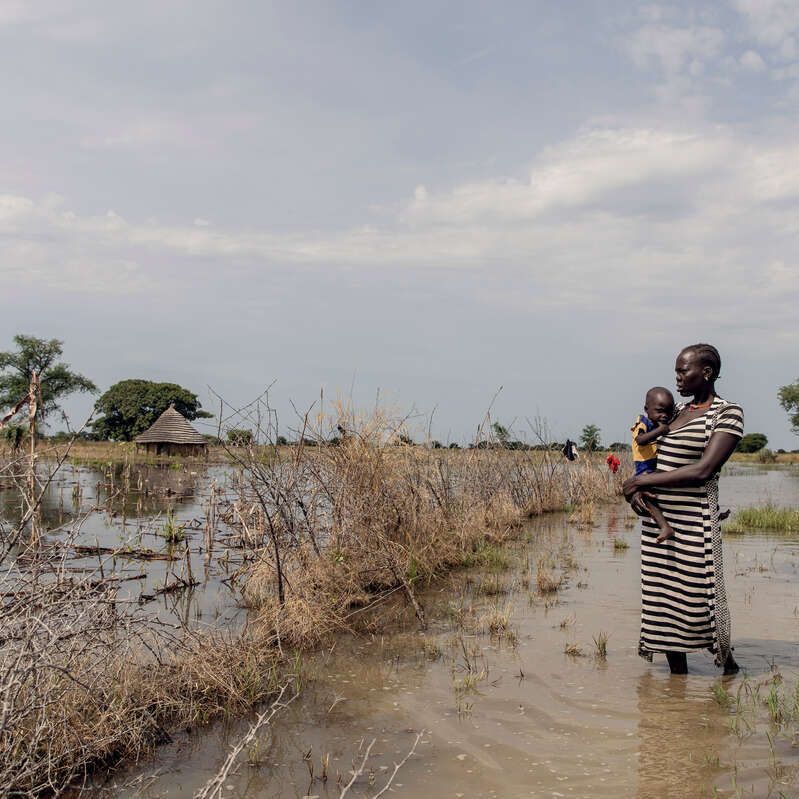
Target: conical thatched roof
[{"x": 170, "y": 427}]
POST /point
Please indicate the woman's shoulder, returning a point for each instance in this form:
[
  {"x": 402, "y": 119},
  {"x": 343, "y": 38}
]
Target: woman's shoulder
[
  {"x": 725, "y": 406},
  {"x": 730, "y": 417}
]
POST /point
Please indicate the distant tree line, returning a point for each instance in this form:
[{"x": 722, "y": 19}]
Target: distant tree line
[{"x": 130, "y": 407}]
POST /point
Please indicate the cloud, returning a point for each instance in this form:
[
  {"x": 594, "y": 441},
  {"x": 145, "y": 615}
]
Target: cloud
[
  {"x": 752, "y": 62},
  {"x": 673, "y": 48},
  {"x": 772, "y": 22},
  {"x": 613, "y": 217}
]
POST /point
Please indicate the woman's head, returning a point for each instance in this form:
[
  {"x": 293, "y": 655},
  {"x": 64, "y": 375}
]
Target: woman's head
[{"x": 697, "y": 365}]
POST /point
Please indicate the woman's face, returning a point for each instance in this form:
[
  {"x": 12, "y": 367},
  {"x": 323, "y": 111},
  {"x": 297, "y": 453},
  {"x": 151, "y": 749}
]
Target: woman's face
[{"x": 691, "y": 373}]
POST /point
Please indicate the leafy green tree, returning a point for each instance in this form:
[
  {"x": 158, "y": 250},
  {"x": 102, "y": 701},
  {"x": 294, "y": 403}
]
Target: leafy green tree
[
  {"x": 620, "y": 446},
  {"x": 752, "y": 442},
  {"x": 589, "y": 438},
  {"x": 56, "y": 380},
  {"x": 501, "y": 433},
  {"x": 239, "y": 437},
  {"x": 131, "y": 406},
  {"x": 789, "y": 399}
]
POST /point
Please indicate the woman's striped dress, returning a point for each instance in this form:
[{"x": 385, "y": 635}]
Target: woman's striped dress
[{"x": 683, "y": 602}]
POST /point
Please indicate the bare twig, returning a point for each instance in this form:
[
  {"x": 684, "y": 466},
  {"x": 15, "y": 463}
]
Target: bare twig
[
  {"x": 357, "y": 773},
  {"x": 213, "y": 788},
  {"x": 398, "y": 766}
]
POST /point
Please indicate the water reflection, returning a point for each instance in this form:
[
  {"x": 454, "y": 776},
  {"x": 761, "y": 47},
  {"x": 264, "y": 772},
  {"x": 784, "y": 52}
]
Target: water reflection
[
  {"x": 681, "y": 734},
  {"x": 118, "y": 514}
]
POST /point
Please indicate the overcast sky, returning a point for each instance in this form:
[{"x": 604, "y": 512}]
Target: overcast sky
[{"x": 433, "y": 199}]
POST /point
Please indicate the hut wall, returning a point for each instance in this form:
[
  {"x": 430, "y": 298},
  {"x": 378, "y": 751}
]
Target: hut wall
[{"x": 183, "y": 450}]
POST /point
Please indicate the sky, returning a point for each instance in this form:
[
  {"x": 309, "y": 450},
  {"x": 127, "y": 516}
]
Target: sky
[{"x": 430, "y": 200}]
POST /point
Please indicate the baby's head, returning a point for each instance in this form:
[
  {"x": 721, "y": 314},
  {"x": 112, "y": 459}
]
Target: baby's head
[{"x": 659, "y": 405}]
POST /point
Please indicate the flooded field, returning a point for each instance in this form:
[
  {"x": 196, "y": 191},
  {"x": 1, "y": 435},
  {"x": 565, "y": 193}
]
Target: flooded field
[
  {"x": 509, "y": 687},
  {"x": 157, "y": 527}
]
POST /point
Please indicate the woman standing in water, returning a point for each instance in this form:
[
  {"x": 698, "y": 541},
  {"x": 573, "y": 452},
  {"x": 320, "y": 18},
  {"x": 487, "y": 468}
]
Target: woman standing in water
[{"x": 683, "y": 601}]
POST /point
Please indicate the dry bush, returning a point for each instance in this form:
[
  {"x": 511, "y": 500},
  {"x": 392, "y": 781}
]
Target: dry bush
[
  {"x": 342, "y": 526},
  {"x": 88, "y": 679}
]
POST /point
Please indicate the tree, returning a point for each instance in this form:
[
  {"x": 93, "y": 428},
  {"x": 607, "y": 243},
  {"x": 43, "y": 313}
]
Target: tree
[
  {"x": 589, "y": 438},
  {"x": 239, "y": 437},
  {"x": 789, "y": 399},
  {"x": 131, "y": 406},
  {"x": 620, "y": 446},
  {"x": 752, "y": 442},
  {"x": 501, "y": 433},
  {"x": 56, "y": 380}
]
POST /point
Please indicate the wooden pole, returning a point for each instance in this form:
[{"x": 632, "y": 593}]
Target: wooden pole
[{"x": 33, "y": 396}]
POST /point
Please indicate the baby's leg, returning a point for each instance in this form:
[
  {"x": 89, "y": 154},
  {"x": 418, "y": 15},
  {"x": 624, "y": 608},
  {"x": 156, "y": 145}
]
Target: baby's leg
[{"x": 656, "y": 513}]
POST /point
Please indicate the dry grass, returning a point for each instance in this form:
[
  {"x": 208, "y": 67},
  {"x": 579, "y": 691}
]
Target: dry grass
[
  {"x": 547, "y": 580},
  {"x": 344, "y": 525},
  {"x": 496, "y": 621},
  {"x": 87, "y": 679}
]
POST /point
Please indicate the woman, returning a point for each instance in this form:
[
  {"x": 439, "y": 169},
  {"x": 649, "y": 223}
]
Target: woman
[{"x": 683, "y": 602}]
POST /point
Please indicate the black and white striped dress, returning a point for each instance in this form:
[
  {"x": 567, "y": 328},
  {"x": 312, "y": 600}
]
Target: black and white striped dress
[{"x": 683, "y": 601}]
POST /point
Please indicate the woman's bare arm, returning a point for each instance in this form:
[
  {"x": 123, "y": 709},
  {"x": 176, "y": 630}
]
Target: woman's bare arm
[{"x": 716, "y": 454}]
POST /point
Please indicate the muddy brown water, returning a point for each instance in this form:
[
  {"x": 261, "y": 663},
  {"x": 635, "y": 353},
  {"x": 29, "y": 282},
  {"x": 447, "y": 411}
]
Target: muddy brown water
[
  {"x": 125, "y": 510},
  {"x": 514, "y": 716}
]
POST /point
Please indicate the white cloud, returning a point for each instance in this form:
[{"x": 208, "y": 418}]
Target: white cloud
[
  {"x": 611, "y": 214},
  {"x": 771, "y": 21},
  {"x": 673, "y": 48},
  {"x": 752, "y": 62}
]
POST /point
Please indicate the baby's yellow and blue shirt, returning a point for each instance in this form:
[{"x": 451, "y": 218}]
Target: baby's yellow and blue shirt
[{"x": 645, "y": 456}]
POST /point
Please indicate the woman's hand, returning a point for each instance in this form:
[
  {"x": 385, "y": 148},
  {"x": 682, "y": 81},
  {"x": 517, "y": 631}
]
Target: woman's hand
[{"x": 630, "y": 487}]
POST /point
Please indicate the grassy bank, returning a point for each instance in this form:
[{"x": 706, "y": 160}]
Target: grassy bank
[
  {"x": 764, "y": 517},
  {"x": 765, "y": 456}
]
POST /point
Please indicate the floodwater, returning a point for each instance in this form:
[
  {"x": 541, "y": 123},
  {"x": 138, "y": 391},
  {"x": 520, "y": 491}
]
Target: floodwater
[
  {"x": 117, "y": 518},
  {"x": 514, "y": 715}
]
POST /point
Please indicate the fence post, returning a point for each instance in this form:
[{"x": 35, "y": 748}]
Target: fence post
[{"x": 33, "y": 397}]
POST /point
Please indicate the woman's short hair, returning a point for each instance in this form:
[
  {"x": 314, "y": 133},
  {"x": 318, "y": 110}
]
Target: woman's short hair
[{"x": 708, "y": 356}]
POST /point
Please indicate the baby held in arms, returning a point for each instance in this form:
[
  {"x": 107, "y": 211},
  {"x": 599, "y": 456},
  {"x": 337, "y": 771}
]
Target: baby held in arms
[{"x": 648, "y": 428}]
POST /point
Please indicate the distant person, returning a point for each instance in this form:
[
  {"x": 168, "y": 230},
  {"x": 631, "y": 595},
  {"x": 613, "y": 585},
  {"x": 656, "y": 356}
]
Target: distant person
[
  {"x": 651, "y": 425},
  {"x": 570, "y": 450},
  {"x": 683, "y": 596}
]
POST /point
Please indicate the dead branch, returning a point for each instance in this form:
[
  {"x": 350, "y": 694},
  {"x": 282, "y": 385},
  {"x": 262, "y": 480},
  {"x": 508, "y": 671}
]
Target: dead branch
[{"x": 213, "y": 788}]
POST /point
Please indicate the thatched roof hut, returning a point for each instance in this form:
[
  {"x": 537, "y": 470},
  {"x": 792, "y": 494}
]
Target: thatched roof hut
[{"x": 171, "y": 434}]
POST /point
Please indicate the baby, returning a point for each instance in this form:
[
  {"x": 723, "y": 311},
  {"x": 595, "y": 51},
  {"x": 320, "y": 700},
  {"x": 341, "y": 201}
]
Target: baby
[{"x": 648, "y": 428}]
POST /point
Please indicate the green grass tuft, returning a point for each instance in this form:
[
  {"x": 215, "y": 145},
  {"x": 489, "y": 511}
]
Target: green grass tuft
[{"x": 764, "y": 517}]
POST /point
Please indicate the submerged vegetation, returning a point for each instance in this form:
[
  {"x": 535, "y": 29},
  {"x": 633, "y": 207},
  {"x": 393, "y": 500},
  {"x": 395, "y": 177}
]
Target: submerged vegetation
[{"x": 764, "y": 517}]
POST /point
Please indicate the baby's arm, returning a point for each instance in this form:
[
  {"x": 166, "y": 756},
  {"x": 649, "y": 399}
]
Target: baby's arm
[{"x": 644, "y": 438}]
